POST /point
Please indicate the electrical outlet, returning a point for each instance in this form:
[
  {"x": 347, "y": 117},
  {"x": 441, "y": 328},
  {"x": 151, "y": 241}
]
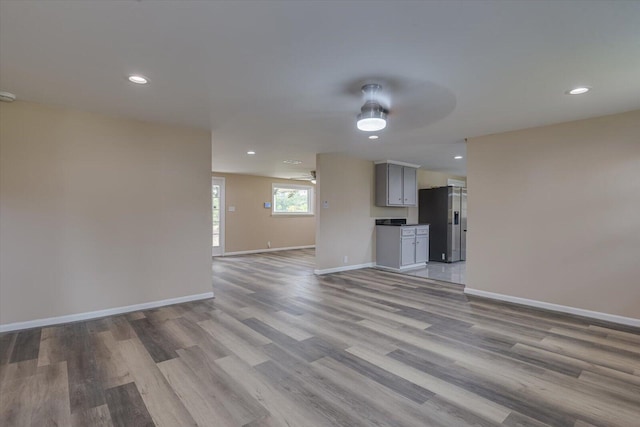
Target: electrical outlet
[
  {"x": 269, "y": 244},
  {"x": 345, "y": 259},
  {"x": 443, "y": 256}
]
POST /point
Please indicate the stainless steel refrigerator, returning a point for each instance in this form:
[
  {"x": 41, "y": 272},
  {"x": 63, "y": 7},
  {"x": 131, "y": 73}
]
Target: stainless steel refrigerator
[{"x": 445, "y": 208}]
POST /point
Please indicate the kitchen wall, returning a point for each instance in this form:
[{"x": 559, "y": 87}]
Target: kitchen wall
[
  {"x": 430, "y": 179},
  {"x": 554, "y": 214},
  {"x": 251, "y": 226},
  {"x": 347, "y": 226},
  {"x": 99, "y": 212}
]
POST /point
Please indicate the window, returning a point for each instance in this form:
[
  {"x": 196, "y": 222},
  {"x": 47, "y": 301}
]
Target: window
[{"x": 290, "y": 199}]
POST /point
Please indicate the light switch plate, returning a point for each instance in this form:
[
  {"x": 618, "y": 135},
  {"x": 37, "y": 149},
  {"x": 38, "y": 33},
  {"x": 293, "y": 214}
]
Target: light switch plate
[
  {"x": 325, "y": 204},
  {"x": 232, "y": 208}
]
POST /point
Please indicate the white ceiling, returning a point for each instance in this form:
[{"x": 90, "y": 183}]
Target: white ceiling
[{"x": 282, "y": 77}]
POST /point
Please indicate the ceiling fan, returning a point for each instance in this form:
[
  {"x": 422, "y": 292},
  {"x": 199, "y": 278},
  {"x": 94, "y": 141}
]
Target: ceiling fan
[
  {"x": 398, "y": 103},
  {"x": 311, "y": 176},
  {"x": 395, "y": 104}
]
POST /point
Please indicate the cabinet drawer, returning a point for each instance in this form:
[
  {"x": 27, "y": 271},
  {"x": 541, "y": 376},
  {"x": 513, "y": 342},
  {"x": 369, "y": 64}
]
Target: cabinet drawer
[
  {"x": 408, "y": 232},
  {"x": 422, "y": 230}
]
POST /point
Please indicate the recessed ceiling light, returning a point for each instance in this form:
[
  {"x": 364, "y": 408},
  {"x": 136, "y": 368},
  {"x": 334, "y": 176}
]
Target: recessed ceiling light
[
  {"x": 373, "y": 136},
  {"x": 579, "y": 90},
  {"x": 251, "y": 153},
  {"x": 292, "y": 162},
  {"x": 457, "y": 157},
  {"x": 138, "y": 79}
]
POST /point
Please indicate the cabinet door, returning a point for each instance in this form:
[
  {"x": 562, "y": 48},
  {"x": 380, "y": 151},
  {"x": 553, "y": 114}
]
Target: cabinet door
[
  {"x": 395, "y": 184},
  {"x": 408, "y": 251},
  {"x": 422, "y": 248},
  {"x": 409, "y": 186}
]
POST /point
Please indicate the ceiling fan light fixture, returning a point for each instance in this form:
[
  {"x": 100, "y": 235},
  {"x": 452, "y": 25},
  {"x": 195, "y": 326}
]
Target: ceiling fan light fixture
[{"x": 372, "y": 118}]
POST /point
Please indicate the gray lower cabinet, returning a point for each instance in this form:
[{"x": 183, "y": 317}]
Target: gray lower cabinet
[
  {"x": 408, "y": 251},
  {"x": 422, "y": 248},
  {"x": 399, "y": 248}
]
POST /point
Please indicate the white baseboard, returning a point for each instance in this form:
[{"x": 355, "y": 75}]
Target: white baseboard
[
  {"x": 259, "y": 251},
  {"x": 100, "y": 313},
  {"x": 344, "y": 268},
  {"x": 613, "y": 318},
  {"x": 401, "y": 269}
]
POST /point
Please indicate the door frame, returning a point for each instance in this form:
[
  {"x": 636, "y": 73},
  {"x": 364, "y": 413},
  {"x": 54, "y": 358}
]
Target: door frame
[{"x": 222, "y": 182}]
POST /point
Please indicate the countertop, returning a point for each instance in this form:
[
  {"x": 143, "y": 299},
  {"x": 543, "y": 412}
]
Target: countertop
[{"x": 400, "y": 225}]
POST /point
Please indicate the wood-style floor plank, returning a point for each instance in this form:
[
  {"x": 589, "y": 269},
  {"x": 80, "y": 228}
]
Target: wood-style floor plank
[
  {"x": 239, "y": 346},
  {"x": 41, "y": 399},
  {"x": 450, "y": 392},
  {"x": 51, "y": 348},
  {"x": 26, "y": 346},
  {"x": 284, "y": 409},
  {"x": 94, "y": 417},
  {"x": 158, "y": 344},
  {"x": 198, "y": 397},
  {"x": 85, "y": 388},
  {"x": 111, "y": 366},
  {"x": 7, "y": 342},
  {"x": 126, "y": 407},
  {"x": 280, "y": 346},
  {"x": 159, "y": 398},
  {"x": 221, "y": 387},
  {"x": 397, "y": 409}
]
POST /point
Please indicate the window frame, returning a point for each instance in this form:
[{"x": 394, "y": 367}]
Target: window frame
[{"x": 287, "y": 186}]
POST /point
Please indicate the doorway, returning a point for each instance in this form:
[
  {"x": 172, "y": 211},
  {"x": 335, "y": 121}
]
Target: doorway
[{"x": 217, "y": 210}]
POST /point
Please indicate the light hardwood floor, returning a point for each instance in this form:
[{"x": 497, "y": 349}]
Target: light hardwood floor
[{"x": 281, "y": 347}]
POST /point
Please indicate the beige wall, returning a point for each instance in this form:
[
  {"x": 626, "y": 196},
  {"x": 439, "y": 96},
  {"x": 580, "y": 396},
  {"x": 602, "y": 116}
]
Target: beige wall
[
  {"x": 251, "y": 226},
  {"x": 99, "y": 212},
  {"x": 429, "y": 179},
  {"x": 347, "y": 226},
  {"x": 554, "y": 214}
]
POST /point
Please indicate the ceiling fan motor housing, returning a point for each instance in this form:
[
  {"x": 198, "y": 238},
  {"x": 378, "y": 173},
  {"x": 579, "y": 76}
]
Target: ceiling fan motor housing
[{"x": 373, "y": 116}]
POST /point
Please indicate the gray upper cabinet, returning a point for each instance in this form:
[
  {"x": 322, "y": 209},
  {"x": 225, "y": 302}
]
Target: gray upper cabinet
[
  {"x": 409, "y": 186},
  {"x": 396, "y": 184},
  {"x": 394, "y": 187}
]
